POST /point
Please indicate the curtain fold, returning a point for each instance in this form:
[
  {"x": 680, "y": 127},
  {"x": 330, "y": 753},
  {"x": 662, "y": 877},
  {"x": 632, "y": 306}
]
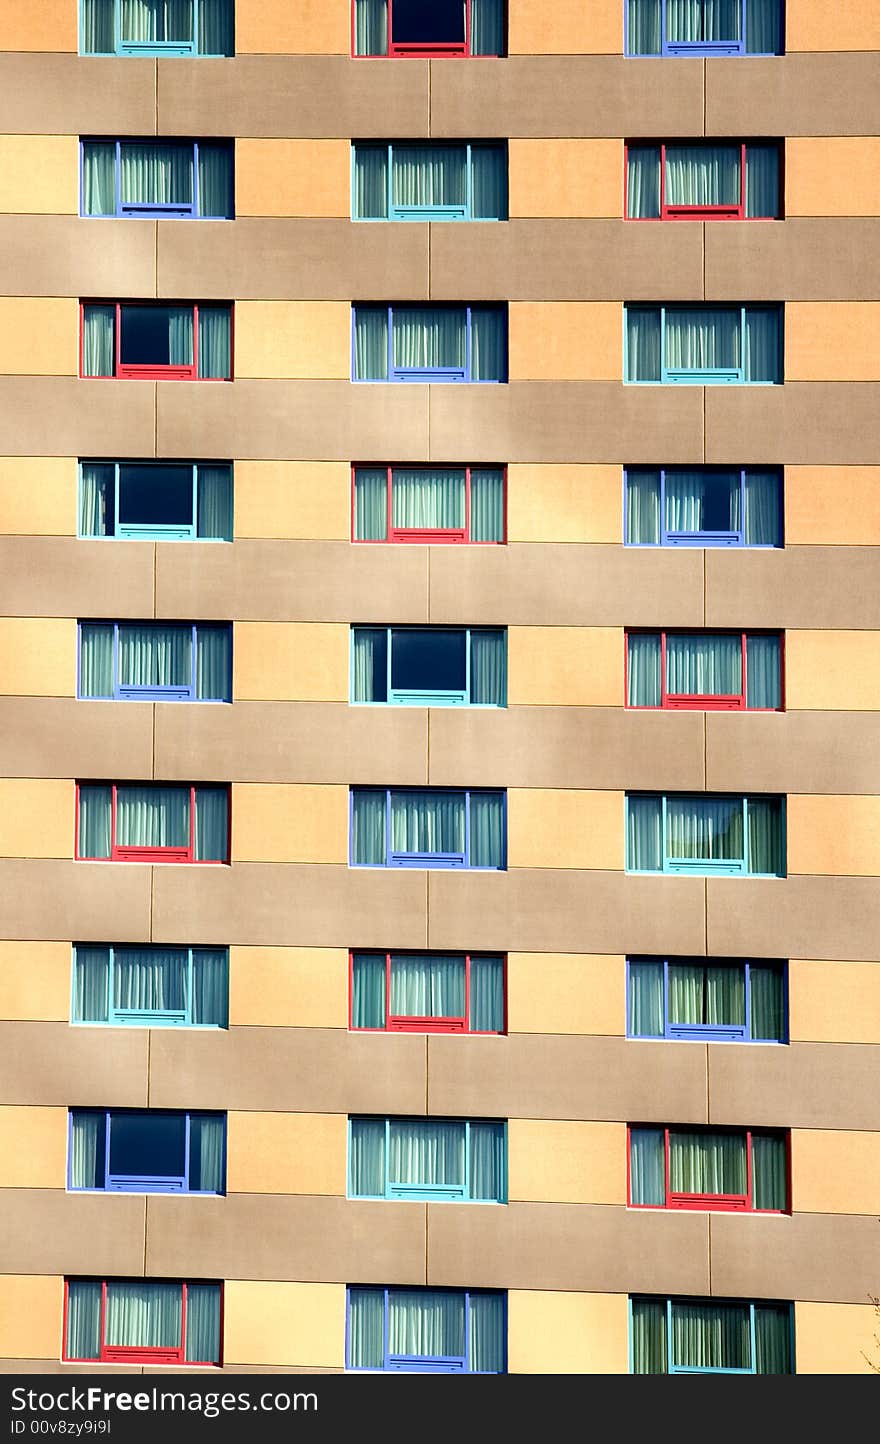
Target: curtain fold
[
  {"x": 143, "y": 1315},
  {"x": 215, "y": 343},
  {"x": 762, "y": 180},
  {"x": 769, "y": 1187},
  {"x": 367, "y": 1170},
  {"x": 713, "y": 1163},
  {"x": 765, "y": 836},
  {"x": 647, "y": 1163},
  {"x": 368, "y": 827},
  {"x": 157, "y": 20},
  {"x": 87, "y": 1132},
  {"x": 700, "y": 340},
  {"x": 487, "y": 504},
  {"x": 643, "y": 669},
  {"x": 214, "y": 502},
  {"x": 83, "y": 1319},
  {"x": 772, "y": 1339},
  {"x": 486, "y": 1165},
  {"x": 701, "y": 993},
  {"x": 370, "y": 503},
  {"x": 428, "y": 337},
  {"x": 643, "y": 182},
  {"x": 649, "y": 1331},
  {"x": 429, "y": 175},
  {"x": 97, "y": 498},
  {"x": 488, "y": 183},
  {"x": 696, "y": 20},
  {"x": 210, "y": 987},
  {"x": 487, "y": 829},
  {"x": 213, "y": 663},
  {"x": 212, "y": 824},
  {"x": 488, "y": 344},
  {"x": 643, "y": 508},
  {"x": 369, "y": 681},
  {"x": 371, "y": 343},
  {"x": 703, "y": 665},
  {"x": 97, "y": 34},
  {"x": 202, "y": 1324},
  {"x": 149, "y": 980},
  {"x": 216, "y": 33},
  {"x": 152, "y": 655},
  {"x": 424, "y": 822},
  {"x": 152, "y": 816},
  {"x": 710, "y": 1336},
  {"x": 703, "y": 175},
  {"x": 704, "y": 829},
  {"x": 427, "y": 1153},
  {"x": 91, "y": 974},
  {"x": 485, "y": 1334},
  {"x": 207, "y": 1146},
  {"x": 155, "y": 173},
  {"x": 646, "y": 1000},
  {"x": 644, "y": 834},
  {"x": 371, "y": 182},
  {"x": 99, "y": 341},
  {"x": 215, "y": 181},
  {"x": 428, "y": 498},
  {"x": 763, "y": 345},
  {"x": 763, "y": 34},
  {"x": 426, "y": 1323},
  {"x": 368, "y": 991},
  {"x": 489, "y": 669},
  {"x": 642, "y": 343},
  {"x": 487, "y": 995},
  {"x": 99, "y": 178},
  {"x": 763, "y": 671},
  {"x": 767, "y": 1000},
  {"x": 370, "y": 27},
  {"x": 95, "y": 804},
  {"x": 698, "y": 501},
  {"x": 180, "y": 335},
  {"x": 96, "y": 659},
  {"x": 427, "y": 986},
  {"x": 366, "y": 1328},
  {"x": 763, "y": 510}
]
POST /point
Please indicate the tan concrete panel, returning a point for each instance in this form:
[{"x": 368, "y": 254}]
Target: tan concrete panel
[
  {"x": 802, "y": 259},
  {"x": 831, "y": 94},
  {"x": 52, "y": 1065},
  {"x": 568, "y": 178},
  {"x": 292, "y": 178},
  {"x": 305, "y": 500},
  {"x": 273, "y": 1236},
  {"x": 566, "y": 1333},
  {"x": 832, "y": 671},
  {"x": 100, "y": 579},
  {"x": 834, "y": 1171},
  {"x": 38, "y": 657},
  {"x": 293, "y": 340},
  {"x": 550, "y": 1162},
  {"x": 834, "y": 1002},
  {"x": 50, "y": 26},
  {"x": 39, "y": 1225},
  {"x": 565, "y": 341},
  {"x": 851, "y": 26},
  {"x": 567, "y": 29},
  {"x": 36, "y": 817},
  {"x": 572, "y": 666},
  {"x": 792, "y": 751},
  {"x": 832, "y": 505},
  {"x": 39, "y": 174},
  {"x": 835, "y": 1338},
  {"x": 291, "y": 662},
  {"x": 77, "y": 95},
  {"x": 601, "y": 1079},
  {"x": 40, "y": 336},
  {"x": 565, "y": 504},
  {"x": 272, "y": 27},
  {"x": 88, "y": 901},
  {"x": 809, "y": 1256},
  {"x": 809, "y": 587},
  {"x": 282, "y": 822},
  {"x": 281, "y": 1323},
  {"x": 30, "y": 1315},
  {"x": 286, "y": 1153},
  {"x": 38, "y": 495},
  {"x": 832, "y": 176},
  {"x": 89, "y": 418},
  {"x": 320, "y": 1070},
  {"x": 831, "y": 341},
  {"x": 33, "y": 1147},
  {"x": 64, "y": 256},
  {"x": 834, "y": 836},
  {"x": 285, "y": 987},
  {"x": 91, "y": 738},
  {"x": 34, "y": 981},
  {"x": 566, "y": 993},
  {"x": 806, "y": 1085},
  {"x": 824, "y": 916},
  {"x": 796, "y": 423},
  {"x": 563, "y": 828}
]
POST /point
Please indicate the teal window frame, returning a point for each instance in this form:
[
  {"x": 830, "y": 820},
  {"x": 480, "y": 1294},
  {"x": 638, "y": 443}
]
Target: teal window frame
[
  {"x": 426, "y": 697},
  {"x": 169, "y": 48},
  {"x": 395, "y": 1191},
  {"x": 707, "y": 867},
  {"x": 705, "y": 375},
  {"x": 672, "y": 1367},
  {"x": 395, "y": 212},
  {"x": 146, "y": 1017}
]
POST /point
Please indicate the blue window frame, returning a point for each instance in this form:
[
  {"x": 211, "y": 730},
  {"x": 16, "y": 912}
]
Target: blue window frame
[
  {"x": 159, "y": 178},
  {"x": 149, "y": 986},
  {"x": 703, "y": 27},
  {"x": 155, "y": 500},
  {"x": 703, "y": 345},
  {"x": 429, "y": 343},
  {"x": 707, "y": 1000},
  {"x": 703, "y": 506},
  {"x": 157, "y": 27},
  {"x": 426, "y": 1331},
  {"x": 432, "y": 827},
  {"x": 117, "y": 1150},
  {"x": 713, "y": 835},
  {"x": 429, "y": 666},
  {"x": 710, "y": 1336},
  {"x": 429, "y": 181},
  {"x": 155, "y": 661},
  {"x": 457, "y": 1160}
]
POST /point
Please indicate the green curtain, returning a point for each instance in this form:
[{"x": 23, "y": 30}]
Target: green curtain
[
  {"x": 430, "y": 498},
  {"x": 97, "y": 33},
  {"x": 152, "y": 816},
  {"x": 368, "y": 991},
  {"x": 367, "y": 1171},
  {"x": 704, "y": 829},
  {"x": 213, "y": 663},
  {"x": 763, "y": 672},
  {"x": 643, "y": 24},
  {"x": 642, "y": 343},
  {"x": 487, "y": 27},
  {"x": 91, "y": 973},
  {"x": 202, "y": 1324},
  {"x": 83, "y": 1320},
  {"x": 767, "y": 1001},
  {"x": 702, "y": 501},
  {"x": 426, "y": 1322},
  {"x": 427, "y": 822},
  {"x": 644, "y": 839},
  {"x": 143, "y": 1315},
  {"x": 764, "y": 37},
  {"x": 699, "y": 339},
  {"x": 489, "y": 669},
  {"x": 180, "y": 334},
  {"x": 145, "y": 20},
  {"x": 370, "y": 27},
  {"x": 429, "y": 175},
  {"x": 773, "y": 1339},
  {"x": 697, "y": 20},
  {"x": 426, "y": 1153},
  {"x": 763, "y": 345},
  {"x": 643, "y": 508},
  {"x": 156, "y": 173},
  {"x": 98, "y": 178},
  {"x": 368, "y": 827},
  {"x": 216, "y": 27},
  {"x": 366, "y": 1328},
  {"x": 370, "y": 503},
  {"x": 371, "y": 343},
  {"x": 99, "y": 340},
  {"x": 486, "y": 1334},
  {"x": 769, "y": 1187},
  {"x": 643, "y": 182},
  {"x": 486, "y": 1164},
  {"x": 763, "y": 512},
  {"x": 703, "y": 175},
  {"x": 94, "y": 821},
  {"x": 152, "y": 655},
  {"x": 710, "y": 1336},
  {"x": 215, "y": 180},
  {"x": 643, "y": 669},
  {"x": 646, "y": 1000},
  {"x": 487, "y": 505},
  {"x": 647, "y": 1165},
  {"x": 369, "y": 681},
  {"x": 207, "y": 1141},
  {"x": 371, "y": 182},
  {"x": 215, "y": 345},
  {"x": 488, "y": 183},
  {"x": 212, "y": 824},
  {"x": 649, "y": 1349},
  {"x": 765, "y": 836},
  {"x": 96, "y": 499},
  {"x": 214, "y": 502},
  {"x": 428, "y": 336},
  {"x": 210, "y": 987},
  {"x": 487, "y": 995},
  {"x": 707, "y": 993},
  {"x": 488, "y": 344},
  {"x": 96, "y": 659},
  {"x": 703, "y": 665},
  {"x": 762, "y": 180},
  {"x": 487, "y": 829},
  {"x": 427, "y": 985},
  {"x": 149, "y": 980},
  {"x": 87, "y": 1131},
  {"x": 707, "y": 1163}
]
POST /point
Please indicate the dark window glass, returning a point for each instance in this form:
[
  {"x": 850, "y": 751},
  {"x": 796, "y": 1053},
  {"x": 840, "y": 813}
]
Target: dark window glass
[
  {"x": 146, "y": 337},
  {"x": 416, "y": 23},
  {"x": 428, "y": 661},
  {"x": 148, "y": 1145},
  {"x": 155, "y": 494},
  {"x": 716, "y": 504}
]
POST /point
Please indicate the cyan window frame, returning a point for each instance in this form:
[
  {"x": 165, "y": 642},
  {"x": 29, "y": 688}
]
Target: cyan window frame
[
  {"x": 425, "y": 1193},
  {"x": 146, "y": 1017},
  {"x": 426, "y": 213},
  {"x": 702, "y": 47},
  {"x": 705, "y": 538},
  {"x": 167, "y": 48},
  {"x": 401, "y": 375},
  {"x": 710, "y": 1032},
  {"x": 421, "y": 1363},
  {"x": 407, "y": 697},
  {"x": 430, "y": 860},
  {"x": 157, "y": 531},
  {"x": 708, "y": 867},
  {"x": 671, "y": 1367},
  {"x": 172, "y": 210},
  {"x": 142, "y": 1182},
  {"x": 706, "y": 375},
  {"x": 132, "y": 693}
]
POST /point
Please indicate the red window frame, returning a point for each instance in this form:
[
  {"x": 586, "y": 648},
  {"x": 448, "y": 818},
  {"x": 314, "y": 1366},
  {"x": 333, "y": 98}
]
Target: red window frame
[
  {"x": 123, "y": 1354},
  {"x": 438, "y": 49},
  {"x": 409, "y": 1024},
  {"x": 132, "y": 372},
  {"x": 695, "y": 702},
  {"x": 126, "y": 853},
  {"x": 440, "y": 536},
  {"x": 701, "y": 213},
  {"x": 711, "y": 1202}
]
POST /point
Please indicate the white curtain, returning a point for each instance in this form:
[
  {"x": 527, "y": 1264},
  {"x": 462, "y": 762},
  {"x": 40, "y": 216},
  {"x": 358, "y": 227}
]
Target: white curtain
[
  {"x": 426, "y": 1322},
  {"x": 487, "y": 27},
  {"x": 369, "y": 808},
  {"x": 98, "y": 178},
  {"x": 703, "y": 175},
  {"x": 96, "y": 659},
  {"x": 644, "y": 836},
  {"x": 143, "y": 1314},
  {"x": 207, "y": 1146},
  {"x": 152, "y": 816},
  {"x": 700, "y": 340},
  {"x": 213, "y": 663},
  {"x": 647, "y": 1165},
  {"x": 763, "y": 508},
  {"x": 763, "y": 671},
  {"x": 763, "y": 344},
  {"x": 487, "y": 505},
  {"x": 643, "y": 182},
  {"x": 427, "y": 337},
  {"x": 96, "y": 499},
  {"x": 370, "y": 182},
  {"x": 371, "y": 27},
  {"x": 488, "y": 343},
  {"x": 429, "y": 175},
  {"x": 97, "y": 32},
  {"x": 642, "y": 508},
  {"x": 366, "y": 1328},
  {"x": 168, "y": 20},
  {"x": 645, "y": 1000},
  {"x": 371, "y": 343},
  {"x": 215, "y": 180},
  {"x": 642, "y": 343},
  {"x": 428, "y": 498},
  {"x": 426, "y": 1153},
  {"x": 156, "y": 173},
  {"x": 370, "y": 503},
  {"x": 488, "y": 669},
  {"x": 212, "y": 824},
  {"x": 424, "y": 822},
  {"x": 87, "y": 1130},
  {"x": 99, "y": 340},
  {"x": 203, "y": 1323},
  {"x": 91, "y": 973},
  {"x": 762, "y": 180},
  {"x": 369, "y": 664},
  {"x": 83, "y": 1319},
  {"x": 763, "y": 27},
  {"x": 643, "y": 669},
  {"x": 643, "y": 27},
  {"x": 214, "y": 502},
  {"x": 149, "y": 980},
  {"x": 488, "y": 183}
]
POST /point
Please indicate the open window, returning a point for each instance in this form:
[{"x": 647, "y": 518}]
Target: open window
[
  {"x": 429, "y": 666},
  {"x": 147, "y": 1151},
  {"x": 428, "y": 27}
]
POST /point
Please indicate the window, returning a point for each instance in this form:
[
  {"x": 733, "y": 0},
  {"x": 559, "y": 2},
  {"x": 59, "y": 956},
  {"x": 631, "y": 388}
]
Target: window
[
  {"x": 141, "y": 1321},
  {"x": 157, "y": 27},
  {"x": 429, "y": 343},
  {"x": 709, "y": 1001},
  {"x": 705, "y": 836},
  {"x": 703, "y": 506},
  {"x": 427, "y": 1159},
  {"x": 147, "y": 1151},
  {"x": 429, "y": 666},
  {"x": 130, "y": 822},
  {"x": 157, "y": 178},
  {"x": 699, "y": 1336},
  {"x": 441, "y": 27},
  {"x": 155, "y": 343},
  {"x": 729, "y": 1170},
  {"x": 704, "y": 346},
  {"x": 703, "y": 27},
  {"x": 702, "y": 181},
  {"x": 430, "y": 182},
  {"x": 156, "y": 500},
  {"x": 426, "y": 1331},
  {"x": 711, "y": 671},
  {"x": 150, "y": 986},
  {"x": 406, "y": 827},
  {"x": 428, "y": 993},
  {"x": 429, "y": 504},
  {"x": 155, "y": 661}
]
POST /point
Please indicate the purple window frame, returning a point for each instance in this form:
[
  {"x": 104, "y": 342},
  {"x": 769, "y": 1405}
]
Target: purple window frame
[
  {"x": 173, "y": 210},
  {"x": 143, "y": 1183},
  {"x": 433, "y": 861},
  {"x": 182, "y": 693},
  {"x": 454, "y": 374}
]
